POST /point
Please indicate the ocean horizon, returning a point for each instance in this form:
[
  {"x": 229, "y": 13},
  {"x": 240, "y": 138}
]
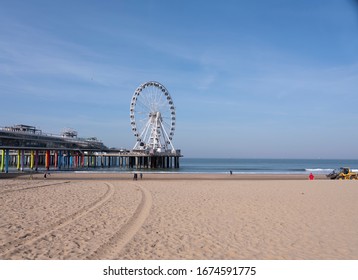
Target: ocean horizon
[
  {"x": 244, "y": 166},
  {"x": 226, "y": 165},
  {"x": 264, "y": 166}
]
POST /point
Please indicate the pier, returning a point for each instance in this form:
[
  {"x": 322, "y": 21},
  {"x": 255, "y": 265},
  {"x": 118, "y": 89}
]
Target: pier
[
  {"x": 27, "y": 148},
  {"x": 152, "y": 118}
]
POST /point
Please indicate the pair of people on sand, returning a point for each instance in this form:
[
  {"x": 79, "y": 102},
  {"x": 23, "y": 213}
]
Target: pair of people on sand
[{"x": 135, "y": 176}]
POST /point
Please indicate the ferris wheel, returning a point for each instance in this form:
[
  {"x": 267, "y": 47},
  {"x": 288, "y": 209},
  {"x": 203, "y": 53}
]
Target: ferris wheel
[{"x": 152, "y": 116}]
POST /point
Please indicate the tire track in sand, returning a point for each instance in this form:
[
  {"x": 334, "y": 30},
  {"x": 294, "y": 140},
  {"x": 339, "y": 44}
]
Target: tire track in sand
[
  {"x": 116, "y": 243},
  {"x": 32, "y": 187},
  {"x": 15, "y": 246}
]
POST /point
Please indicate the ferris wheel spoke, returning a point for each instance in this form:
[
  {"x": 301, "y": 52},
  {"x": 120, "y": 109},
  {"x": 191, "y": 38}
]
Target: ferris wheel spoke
[
  {"x": 156, "y": 97},
  {"x": 163, "y": 104},
  {"x": 145, "y": 130},
  {"x": 142, "y": 114},
  {"x": 160, "y": 99},
  {"x": 147, "y": 100},
  {"x": 169, "y": 122},
  {"x": 166, "y": 115},
  {"x": 167, "y": 129},
  {"x": 152, "y": 95},
  {"x": 143, "y": 105},
  {"x": 166, "y": 125}
]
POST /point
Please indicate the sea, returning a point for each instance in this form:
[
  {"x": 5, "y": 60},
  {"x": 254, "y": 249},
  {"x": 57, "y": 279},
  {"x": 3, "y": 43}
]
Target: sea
[
  {"x": 243, "y": 166},
  {"x": 235, "y": 165},
  {"x": 264, "y": 166}
]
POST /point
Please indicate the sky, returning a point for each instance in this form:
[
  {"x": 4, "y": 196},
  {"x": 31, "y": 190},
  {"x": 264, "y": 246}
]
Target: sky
[{"x": 249, "y": 79}]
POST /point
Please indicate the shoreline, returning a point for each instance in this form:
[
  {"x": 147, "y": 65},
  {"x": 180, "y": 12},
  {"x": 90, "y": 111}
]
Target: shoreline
[{"x": 79, "y": 175}]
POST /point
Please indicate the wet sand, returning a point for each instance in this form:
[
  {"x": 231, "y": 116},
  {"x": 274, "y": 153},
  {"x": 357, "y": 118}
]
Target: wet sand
[{"x": 177, "y": 216}]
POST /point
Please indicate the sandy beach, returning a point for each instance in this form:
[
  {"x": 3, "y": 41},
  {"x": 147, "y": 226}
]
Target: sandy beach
[{"x": 177, "y": 216}]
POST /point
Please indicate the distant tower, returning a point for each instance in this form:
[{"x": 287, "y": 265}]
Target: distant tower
[{"x": 152, "y": 116}]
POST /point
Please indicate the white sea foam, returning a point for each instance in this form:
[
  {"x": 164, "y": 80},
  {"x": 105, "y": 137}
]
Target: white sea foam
[
  {"x": 324, "y": 170},
  {"x": 319, "y": 170}
]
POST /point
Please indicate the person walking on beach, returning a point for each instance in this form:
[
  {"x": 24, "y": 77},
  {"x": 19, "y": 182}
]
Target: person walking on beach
[
  {"x": 141, "y": 176},
  {"x": 311, "y": 177},
  {"x": 135, "y": 177}
]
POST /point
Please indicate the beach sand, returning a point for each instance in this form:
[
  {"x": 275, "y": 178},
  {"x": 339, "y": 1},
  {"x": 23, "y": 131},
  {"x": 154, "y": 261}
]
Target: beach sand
[{"x": 177, "y": 216}]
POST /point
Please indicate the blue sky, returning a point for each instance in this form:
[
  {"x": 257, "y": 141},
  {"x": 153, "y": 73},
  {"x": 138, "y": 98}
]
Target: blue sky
[{"x": 249, "y": 79}]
